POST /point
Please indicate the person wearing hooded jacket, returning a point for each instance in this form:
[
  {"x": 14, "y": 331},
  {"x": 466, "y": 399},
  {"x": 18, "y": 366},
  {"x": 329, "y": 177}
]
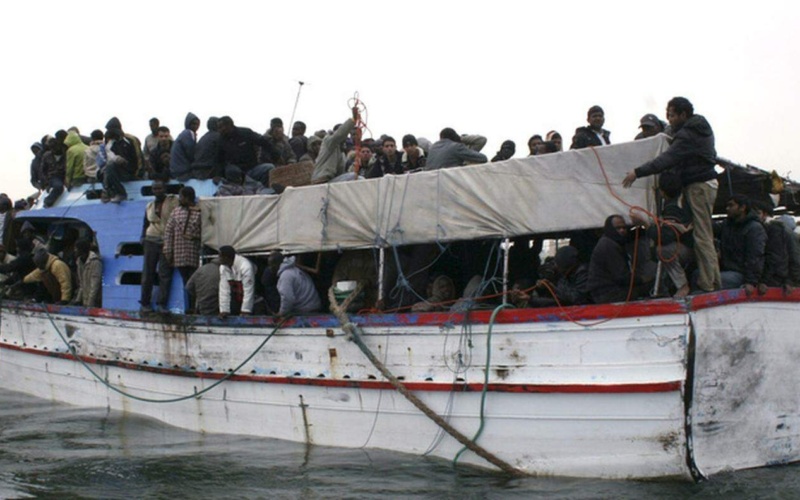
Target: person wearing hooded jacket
[
  {"x": 183, "y": 149},
  {"x": 90, "y": 275},
  {"x": 693, "y": 157},
  {"x": 609, "y": 277},
  {"x": 75, "y": 153},
  {"x": 296, "y": 288}
]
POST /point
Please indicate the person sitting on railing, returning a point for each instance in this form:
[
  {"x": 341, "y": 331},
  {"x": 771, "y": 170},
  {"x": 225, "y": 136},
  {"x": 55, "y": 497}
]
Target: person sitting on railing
[
  {"x": 296, "y": 288},
  {"x": 612, "y": 264},
  {"x": 236, "y": 283}
]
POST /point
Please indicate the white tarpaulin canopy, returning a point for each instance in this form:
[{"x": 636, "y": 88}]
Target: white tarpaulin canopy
[{"x": 538, "y": 194}]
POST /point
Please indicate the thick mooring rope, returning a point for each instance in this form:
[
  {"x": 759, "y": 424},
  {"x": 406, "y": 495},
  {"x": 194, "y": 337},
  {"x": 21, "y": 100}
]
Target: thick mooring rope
[{"x": 339, "y": 310}]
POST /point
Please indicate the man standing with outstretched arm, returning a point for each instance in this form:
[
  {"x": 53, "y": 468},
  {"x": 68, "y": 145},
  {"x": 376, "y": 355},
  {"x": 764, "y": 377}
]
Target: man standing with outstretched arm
[{"x": 692, "y": 156}]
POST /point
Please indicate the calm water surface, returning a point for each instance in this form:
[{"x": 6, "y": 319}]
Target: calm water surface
[{"x": 50, "y": 450}]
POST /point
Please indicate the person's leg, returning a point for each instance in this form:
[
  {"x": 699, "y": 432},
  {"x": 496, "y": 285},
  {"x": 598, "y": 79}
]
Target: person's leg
[
  {"x": 731, "y": 279},
  {"x": 56, "y": 188},
  {"x": 700, "y": 197},
  {"x": 150, "y": 262},
  {"x": 261, "y": 173},
  {"x": 186, "y": 273},
  {"x": 164, "y": 280}
]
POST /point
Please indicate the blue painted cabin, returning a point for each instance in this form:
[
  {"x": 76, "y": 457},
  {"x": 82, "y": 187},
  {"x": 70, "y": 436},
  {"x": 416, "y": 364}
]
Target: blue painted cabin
[{"x": 117, "y": 229}]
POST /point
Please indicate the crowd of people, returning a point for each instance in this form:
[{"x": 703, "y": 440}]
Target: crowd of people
[
  {"x": 618, "y": 264},
  {"x": 240, "y": 159}
]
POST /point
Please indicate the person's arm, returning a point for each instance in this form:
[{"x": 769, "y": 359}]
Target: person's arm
[
  {"x": 474, "y": 142},
  {"x": 248, "y": 287},
  {"x": 168, "y": 248},
  {"x": 286, "y": 292},
  {"x": 64, "y": 276},
  {"x": 224, "y": 291},
  {"x": 755, "y": 245},
  {"x": 467, "y": 155},
  {"x": 91, "y": 290}
]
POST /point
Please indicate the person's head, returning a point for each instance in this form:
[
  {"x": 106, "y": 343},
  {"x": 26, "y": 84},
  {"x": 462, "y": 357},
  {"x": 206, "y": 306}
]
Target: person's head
[
  {"x": 507, "y": 149},
  {"x": 274, "y": 261},
  {"x": 211, "y": 123},
  {"x": 27, "y": 230},
  {"x": 546, "y": 147},
  {"x": 566, "y": 259},
  {"x": 187, "y": 197},
  {"x": 97, "y": 135},
  {"x": 365, "y": 154},
  {"x": 5, "y": 204},
  {"x": 82, "y": 248},
  {"x": 154, "y": 124},
  {"x": 389, "y": 147},
  {"x": 298, "y": 129},
  {"x": 650, "y": 125},
  {"x": 40, "y": 257},
  {"x": 159, "y": 189},
  {"x": 227, "y": 255},
  {"x": 113, "y": 134},
  {"x": 162, "y": 134},
  {"x": 276, "y": 127},
  {"x": 763, "y": 209},
  {"x": 738, "y": 206},
  {"x": 24, "y": 246},
  {"x": 225, "y": 126},
  {"x": 670, "y": 185},
  {"x": 192, "y": 122},
  {"x": 596, "y": 117},
  {"x": 679, "y": 109},
  {"x": 314, "y": 144},
  {"x": 449, "y": 133},
  {"x": 534, "y": 142},
  {"x": 615, "y": 228},
  {"x": 555, "y": 138}
]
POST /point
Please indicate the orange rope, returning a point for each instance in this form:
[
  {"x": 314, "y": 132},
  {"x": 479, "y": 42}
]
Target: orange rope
[{"x": 361, "y": 124}]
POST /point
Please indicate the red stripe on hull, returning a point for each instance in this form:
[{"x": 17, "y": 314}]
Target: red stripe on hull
[{"x": 648, "y": 387}]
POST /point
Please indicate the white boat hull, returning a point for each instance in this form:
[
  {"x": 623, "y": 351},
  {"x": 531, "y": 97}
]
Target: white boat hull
[{"x": 603, "y": 400}]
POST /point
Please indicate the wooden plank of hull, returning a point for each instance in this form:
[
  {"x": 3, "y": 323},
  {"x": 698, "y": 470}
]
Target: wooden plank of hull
[
  {"x": 564, "y": 399},
  {"x": 746, "y": 406}
]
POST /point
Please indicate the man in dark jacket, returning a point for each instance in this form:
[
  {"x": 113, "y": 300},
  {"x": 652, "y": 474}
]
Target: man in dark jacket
[
  {"x": 610, "y": 267},
  {"x": 206, "y": 164},
  {"x": 742, "y": 240},
  {"x": 778, "y": 252},
  {"x": 594, "y": 134},
  {"x": 183, "y": 149},
  {"x": 238, "y": 147},
  {"x": 692, "y": 156}
]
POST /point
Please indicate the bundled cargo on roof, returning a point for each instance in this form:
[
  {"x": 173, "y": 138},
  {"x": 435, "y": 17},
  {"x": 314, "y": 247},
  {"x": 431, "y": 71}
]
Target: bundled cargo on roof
[{"x": 756, "y": 184}]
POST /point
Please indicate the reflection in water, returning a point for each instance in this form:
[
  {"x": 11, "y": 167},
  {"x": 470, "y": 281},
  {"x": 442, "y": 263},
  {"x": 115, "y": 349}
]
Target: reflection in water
[{"x": 51, "y": 450}]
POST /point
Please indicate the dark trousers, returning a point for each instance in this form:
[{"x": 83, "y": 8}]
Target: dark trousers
[
  {"x": 154, "y": 261},
  {"x": 113, "y": 178},
  {"x": 56, "y": 188}
]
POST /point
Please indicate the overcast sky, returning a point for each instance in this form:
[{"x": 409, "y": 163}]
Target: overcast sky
[{"x": 505, "y": 70}]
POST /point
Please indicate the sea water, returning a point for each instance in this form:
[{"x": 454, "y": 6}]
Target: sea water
[{"x": 51, "y": 450}]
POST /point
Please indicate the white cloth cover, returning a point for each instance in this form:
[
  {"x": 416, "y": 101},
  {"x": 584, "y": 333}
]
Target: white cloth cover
[{"x": 538, "y": 194}]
